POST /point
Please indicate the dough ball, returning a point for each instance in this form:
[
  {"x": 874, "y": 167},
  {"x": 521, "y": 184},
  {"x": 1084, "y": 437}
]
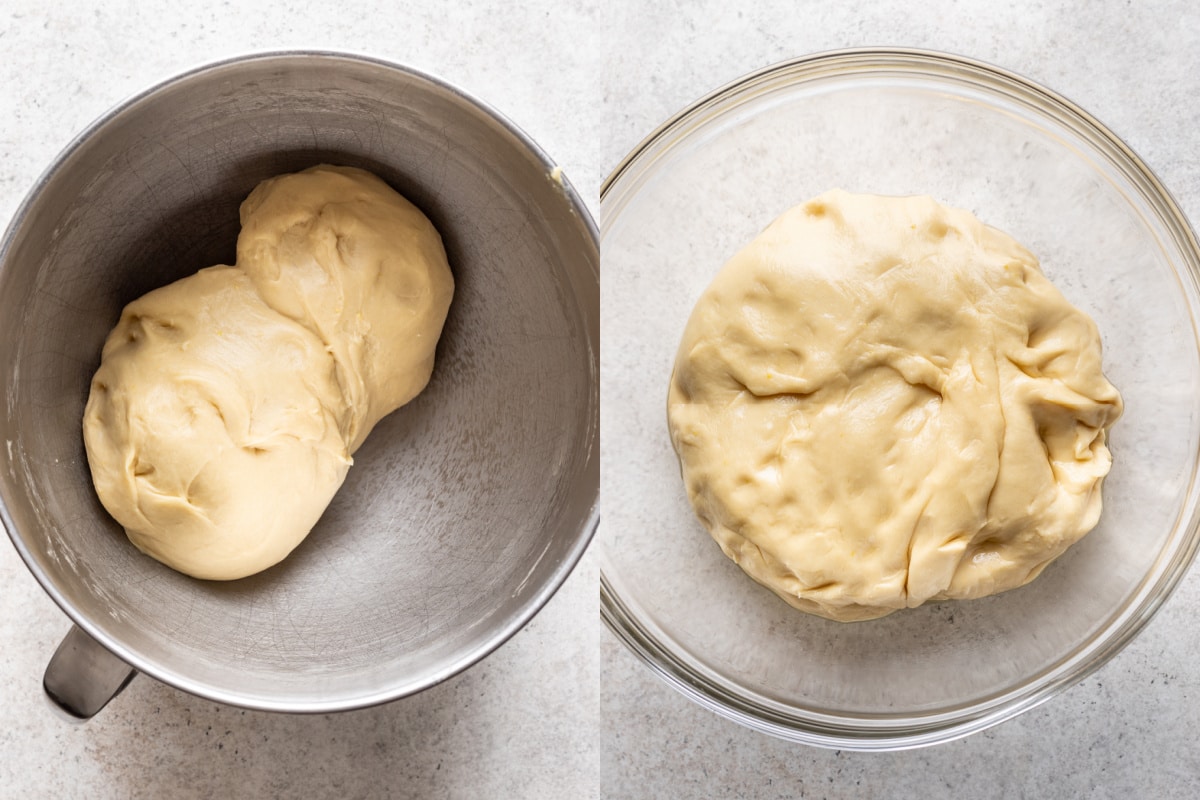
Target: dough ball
[
  {"x": 213, "y": 426},
  {"x": 880, "y": 402},
  {"x": 227, "y": 405},
  {"x": 340, "y": 252}
]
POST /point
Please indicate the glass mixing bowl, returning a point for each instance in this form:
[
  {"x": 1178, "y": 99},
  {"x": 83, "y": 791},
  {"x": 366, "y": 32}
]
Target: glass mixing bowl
[{"x": 1024, "y": 160}]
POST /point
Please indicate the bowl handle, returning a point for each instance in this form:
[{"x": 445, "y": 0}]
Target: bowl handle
[{"x": 82, "y": 677}]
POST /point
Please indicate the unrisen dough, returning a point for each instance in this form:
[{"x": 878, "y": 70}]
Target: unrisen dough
[
  {"x": 227, "y": 405},
  {"x": 880, "y": 401}
]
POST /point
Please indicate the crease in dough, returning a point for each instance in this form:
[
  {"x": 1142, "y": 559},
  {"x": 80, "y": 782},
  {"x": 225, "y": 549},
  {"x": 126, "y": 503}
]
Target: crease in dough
[
  {"x": 881, "y": 402},
  {"x": 228, "y": 405}
]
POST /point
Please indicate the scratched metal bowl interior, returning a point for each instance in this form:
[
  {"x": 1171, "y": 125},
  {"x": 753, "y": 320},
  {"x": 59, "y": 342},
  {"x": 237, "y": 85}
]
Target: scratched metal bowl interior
[
  {"x": 1024, "y": 160},
  {"x": 464, "y": 510}
]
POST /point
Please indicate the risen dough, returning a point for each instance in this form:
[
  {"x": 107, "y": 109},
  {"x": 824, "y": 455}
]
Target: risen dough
[
  {"x": 880, "y": 401},
  {"x": 227, "y": 405}
]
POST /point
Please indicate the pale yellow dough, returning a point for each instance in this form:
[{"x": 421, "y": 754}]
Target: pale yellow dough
[
  {"x": 227, "y": 405},
  {"x": 880, "y": 401}
]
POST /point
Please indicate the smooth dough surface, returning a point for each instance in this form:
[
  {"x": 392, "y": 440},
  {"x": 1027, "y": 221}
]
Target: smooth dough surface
[
  {"x": 881, "y": 401},
  {"x": 227, "y": 405}
]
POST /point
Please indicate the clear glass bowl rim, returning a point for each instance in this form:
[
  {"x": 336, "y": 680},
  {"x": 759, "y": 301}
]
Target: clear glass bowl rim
[{"x": 902, "y": 731}]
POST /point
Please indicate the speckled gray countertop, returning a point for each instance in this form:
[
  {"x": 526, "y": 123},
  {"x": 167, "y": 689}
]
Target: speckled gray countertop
[
  {"x": 1130, "y": 729},
  {"x": 562, "y": 710},
  {"x": 519, "y": 724}
]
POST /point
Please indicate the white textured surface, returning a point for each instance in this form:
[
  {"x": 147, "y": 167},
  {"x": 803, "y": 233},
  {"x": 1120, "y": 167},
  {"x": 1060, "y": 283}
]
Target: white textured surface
[
  {"x": 1129, "y": 730},
  {"x": 563, "y": 708},
  {"x": 516, "y": 725}
]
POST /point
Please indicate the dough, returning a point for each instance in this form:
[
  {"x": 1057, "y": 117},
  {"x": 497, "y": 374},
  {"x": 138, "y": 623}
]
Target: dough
[
  {"x": 227, "y": 405},
  {"x": 880, "y": 402}
]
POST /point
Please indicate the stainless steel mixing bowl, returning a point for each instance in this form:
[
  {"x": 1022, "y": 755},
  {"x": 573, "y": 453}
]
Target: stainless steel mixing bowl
[{"x": 465, "y": 509}]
